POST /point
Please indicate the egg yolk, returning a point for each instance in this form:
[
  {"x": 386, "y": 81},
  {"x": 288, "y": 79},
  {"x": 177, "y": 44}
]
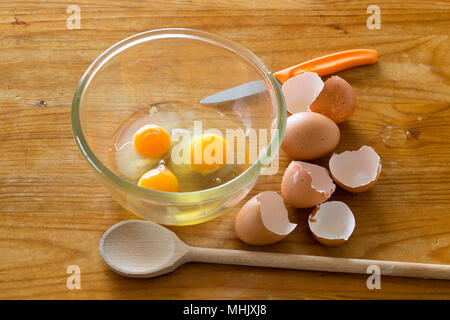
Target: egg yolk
[
  {"x": 159, "y": 179},
  {"x": 208, "y": 153},
  {"x": 151, "y": 141}
]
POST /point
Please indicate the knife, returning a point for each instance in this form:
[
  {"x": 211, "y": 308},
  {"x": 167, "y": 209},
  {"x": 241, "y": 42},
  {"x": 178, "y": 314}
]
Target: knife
[{"x": 325, "y": 65}]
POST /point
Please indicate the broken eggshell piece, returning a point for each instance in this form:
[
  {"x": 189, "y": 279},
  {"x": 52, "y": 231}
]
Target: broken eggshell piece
[
  {"x": 337, "y": 100},
  {"x": 306, "y": 185},
  {"x": 332, "y": 223},
  {"x": 301, "y": 91},
  {"x": 356, "y": 171},
  {"x": 263, "y": 220}
]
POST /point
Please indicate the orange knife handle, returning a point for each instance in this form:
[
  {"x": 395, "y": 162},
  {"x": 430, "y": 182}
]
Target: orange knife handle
[{"x": 330, "y": 64}]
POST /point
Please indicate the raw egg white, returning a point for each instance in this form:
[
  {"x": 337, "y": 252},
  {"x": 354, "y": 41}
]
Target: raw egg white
[{"x": 131, "y": 164}]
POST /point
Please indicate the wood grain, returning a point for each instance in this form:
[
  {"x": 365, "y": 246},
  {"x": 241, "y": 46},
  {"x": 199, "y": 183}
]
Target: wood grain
[{"x": 53, "y": 211}]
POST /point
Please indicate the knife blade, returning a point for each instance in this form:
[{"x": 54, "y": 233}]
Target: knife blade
[
  {"x": 325, "y": 65},
  {"x": 241, "y": 91}
]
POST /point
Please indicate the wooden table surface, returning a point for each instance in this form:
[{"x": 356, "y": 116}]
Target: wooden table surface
[{"x": 53, "y": 211}]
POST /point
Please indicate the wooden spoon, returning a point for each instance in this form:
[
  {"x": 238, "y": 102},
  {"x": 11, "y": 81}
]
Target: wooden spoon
[{"x": 141, "y": 249}]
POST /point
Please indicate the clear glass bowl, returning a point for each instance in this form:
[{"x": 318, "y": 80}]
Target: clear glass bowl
[{"x": 174, "y": 69}]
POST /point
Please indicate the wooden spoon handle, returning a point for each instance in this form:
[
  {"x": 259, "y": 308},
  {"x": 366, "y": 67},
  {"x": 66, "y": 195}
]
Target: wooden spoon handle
[{"x": 317, "y": 263}]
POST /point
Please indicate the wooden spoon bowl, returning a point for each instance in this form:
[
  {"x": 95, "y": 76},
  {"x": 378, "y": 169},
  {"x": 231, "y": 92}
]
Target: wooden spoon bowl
[{"x": 141, "y": 249}]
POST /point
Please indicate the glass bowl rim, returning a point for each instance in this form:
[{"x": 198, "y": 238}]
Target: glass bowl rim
[{"x": 230, "y": 187}]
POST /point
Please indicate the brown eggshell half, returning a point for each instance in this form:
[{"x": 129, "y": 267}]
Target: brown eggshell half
[
  {"x": 300, "y": 91},
  {"x": 332, "y": 223},
  {"x": 310, "y": 135},
  {"x": 337, "y": 100},
  {"x": 356, "y": 171},
  {"x": 306, "y": 185},
  {"x": 263, "y": 220}
]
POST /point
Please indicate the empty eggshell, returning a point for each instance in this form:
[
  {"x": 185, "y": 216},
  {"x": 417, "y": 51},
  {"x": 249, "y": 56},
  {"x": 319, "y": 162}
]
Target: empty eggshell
[
  {"x": 310, "y": 135},
  {"x": 337, "y": 100},
  {"x": 300, "y": 91},
  {"x": 263, "y": 220},
  {"x": 306, "y": 185},
  {"x": 356, "y": 171},
  {"x": 332, "y": 223}
]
